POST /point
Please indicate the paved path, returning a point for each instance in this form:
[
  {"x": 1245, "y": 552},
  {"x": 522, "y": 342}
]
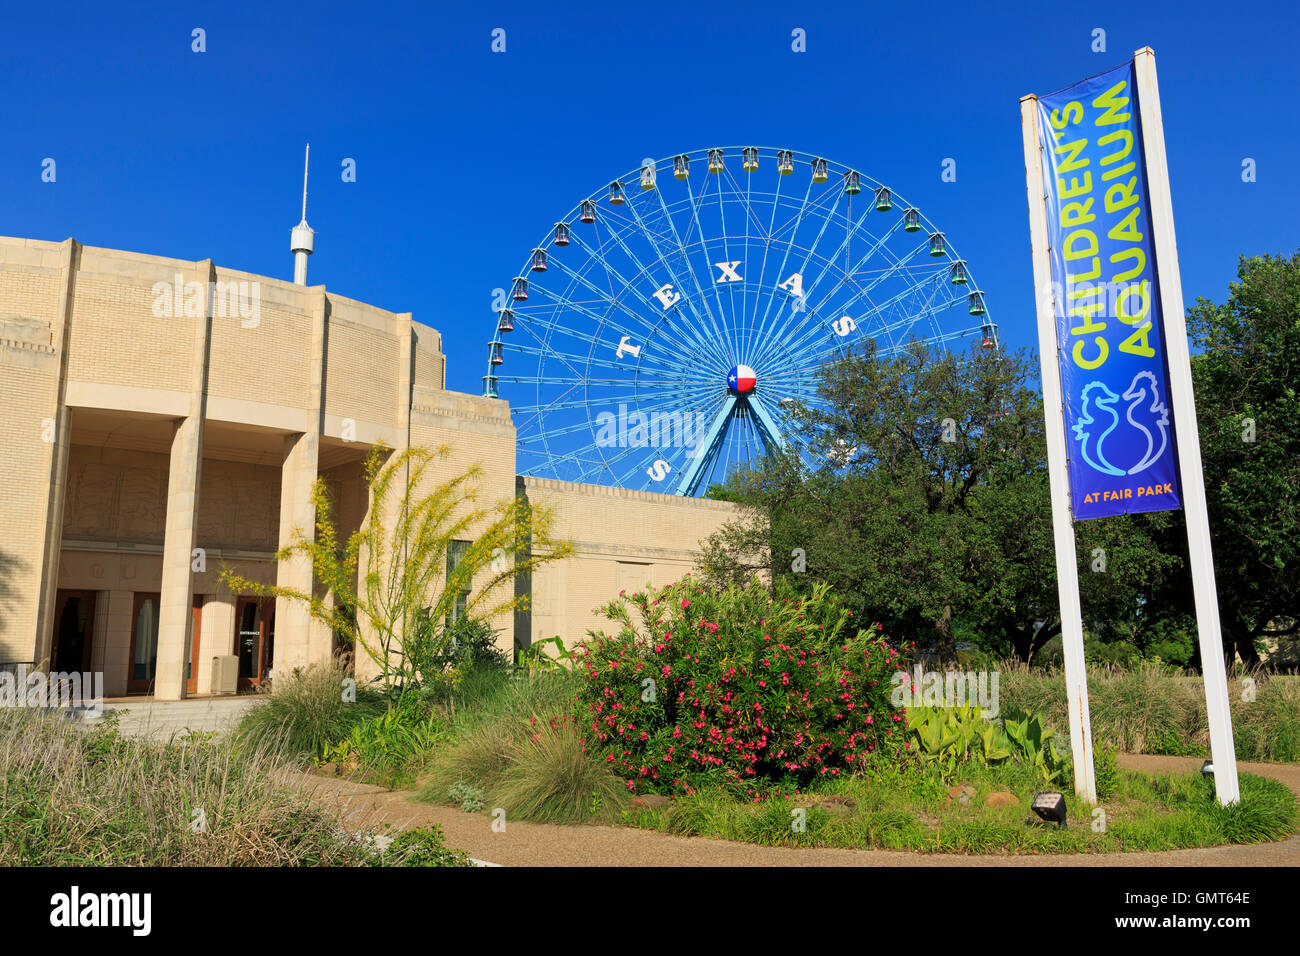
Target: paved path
[{"x": 541, "y": 844}]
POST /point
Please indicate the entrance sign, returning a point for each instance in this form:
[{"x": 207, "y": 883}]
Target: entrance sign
[
  {"x": 1113, "y": 344},
  {"x": 1109, "y": 332}
]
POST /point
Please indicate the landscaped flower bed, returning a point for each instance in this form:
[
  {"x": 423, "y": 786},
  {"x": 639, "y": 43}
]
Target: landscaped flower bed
[{"x": 906, "y": 808}]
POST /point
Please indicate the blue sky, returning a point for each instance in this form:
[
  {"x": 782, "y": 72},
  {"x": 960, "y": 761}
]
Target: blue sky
[{"x": 465, "y": 157}]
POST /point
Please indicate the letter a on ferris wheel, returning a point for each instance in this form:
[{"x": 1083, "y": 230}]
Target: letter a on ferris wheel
[{"x": 661, "y": 332}]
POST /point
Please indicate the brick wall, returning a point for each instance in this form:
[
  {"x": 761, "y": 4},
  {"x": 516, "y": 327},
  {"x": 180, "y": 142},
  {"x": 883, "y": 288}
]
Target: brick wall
[
  {"x": 31, "y": 283},
  {"x": 623, "y": 540}
]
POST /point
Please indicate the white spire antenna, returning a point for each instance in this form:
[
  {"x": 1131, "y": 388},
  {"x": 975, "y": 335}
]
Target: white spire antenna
[
  {"x": 302, "y": 238},
  {"x": 306, "y": 163}
]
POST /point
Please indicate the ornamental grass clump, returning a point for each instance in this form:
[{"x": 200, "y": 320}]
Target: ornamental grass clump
[
  {"x": 735, "y": 687},
  {"x": 77, "y": 796}
]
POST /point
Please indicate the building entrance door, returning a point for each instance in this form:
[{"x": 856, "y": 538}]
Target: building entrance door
[
  {"x": 74, "y": 628},
  {"x": 254, "y": 640},
  {"x": 143, "y": 662}
]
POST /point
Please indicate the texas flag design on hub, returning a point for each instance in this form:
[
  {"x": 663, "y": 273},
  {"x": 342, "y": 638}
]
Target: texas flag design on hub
[{"x": 742, "y": 380}]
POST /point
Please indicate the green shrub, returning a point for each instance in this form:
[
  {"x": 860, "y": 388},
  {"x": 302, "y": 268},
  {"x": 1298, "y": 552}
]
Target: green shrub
[
  {"x": 477, "y": 754},
  {"x": 1032, "y": 743},
  {"x": 422, "y": 846},
  {"x": 536, "y": 655},
  {"x": 735, "y": 686},
  {"x": 307, "y": 713},
  {"x": 449, "y": 654},
  {"x": 391, "y": 748},
  {"x": 513, "y": 745},
  {"x": 469, "y": 797}
]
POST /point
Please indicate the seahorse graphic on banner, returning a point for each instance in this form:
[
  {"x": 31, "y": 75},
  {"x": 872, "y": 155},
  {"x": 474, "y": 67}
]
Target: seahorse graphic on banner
[
  {"x": 1103, "y": 403},
  {"x": 1157, "y": 413}
]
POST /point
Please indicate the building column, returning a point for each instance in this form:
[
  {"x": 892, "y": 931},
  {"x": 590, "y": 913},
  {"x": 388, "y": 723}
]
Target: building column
[
  {"x": 300, "y": 640},
  {"x": 175, "y": 605},
  {"x": 175, "y": 610},
  {"x": 52, "y": 537},
  {"x": 293, "y": 623}
]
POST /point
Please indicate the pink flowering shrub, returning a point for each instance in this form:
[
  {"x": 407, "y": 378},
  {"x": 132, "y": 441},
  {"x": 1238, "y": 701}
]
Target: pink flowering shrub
[{"x": 735, "y": 687}]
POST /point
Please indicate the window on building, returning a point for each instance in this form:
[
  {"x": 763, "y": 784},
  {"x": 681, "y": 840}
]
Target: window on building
[
  {"x": 146, "y": 640},
  {"x": 455, "y": 555}
]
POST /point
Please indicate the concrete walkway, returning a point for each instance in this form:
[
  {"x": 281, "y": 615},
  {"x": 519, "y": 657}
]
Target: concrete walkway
[{"x": 540, "y": 844}]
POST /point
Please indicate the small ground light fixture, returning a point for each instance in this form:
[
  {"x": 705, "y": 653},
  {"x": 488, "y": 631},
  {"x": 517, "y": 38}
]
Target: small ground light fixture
[
  {"x": 1207, "y": 770},
  {"x": 1050, "y": 807}
]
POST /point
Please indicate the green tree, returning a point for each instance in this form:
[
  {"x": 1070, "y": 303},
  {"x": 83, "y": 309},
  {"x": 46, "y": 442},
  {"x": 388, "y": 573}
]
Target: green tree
[
  {"x": 926, "y": 454},
  {"x": 382, "y": 586},
  {"x": 1125, "y": 565},
  {"x": 1247, "y": 382},
  {"x": 933, "y": 510}
]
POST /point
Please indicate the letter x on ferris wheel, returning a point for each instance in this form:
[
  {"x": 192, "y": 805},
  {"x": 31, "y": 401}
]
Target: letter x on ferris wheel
[{"x": 659, "y": 334}]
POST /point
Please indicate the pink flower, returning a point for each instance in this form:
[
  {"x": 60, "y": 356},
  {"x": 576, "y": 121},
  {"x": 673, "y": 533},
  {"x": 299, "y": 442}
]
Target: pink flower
[{"x": 685, "y": 604}]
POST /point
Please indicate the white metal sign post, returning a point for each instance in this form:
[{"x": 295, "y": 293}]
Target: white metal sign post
[
  {"x": 1067, "y": 569},
  {"x": 1195, "y": 511},
  {"x": 1164, "y": 253}
]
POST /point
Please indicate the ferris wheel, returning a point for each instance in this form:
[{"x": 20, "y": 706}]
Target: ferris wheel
[{"x": 660, "y": 333}]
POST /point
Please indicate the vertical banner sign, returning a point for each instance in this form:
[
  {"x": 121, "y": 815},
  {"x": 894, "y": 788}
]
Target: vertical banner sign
[
  {"x": 1109, "y": 327},
  {"x": 1101, "y": 228}
]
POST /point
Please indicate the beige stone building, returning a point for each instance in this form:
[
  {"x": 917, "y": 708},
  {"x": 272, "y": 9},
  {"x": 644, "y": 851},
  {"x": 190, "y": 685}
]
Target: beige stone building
[{"x": 165, "y": 419}]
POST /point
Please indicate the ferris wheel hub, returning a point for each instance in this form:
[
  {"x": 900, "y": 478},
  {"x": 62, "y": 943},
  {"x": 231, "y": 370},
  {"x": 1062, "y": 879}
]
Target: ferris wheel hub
[{"x": 741, "y": 380}]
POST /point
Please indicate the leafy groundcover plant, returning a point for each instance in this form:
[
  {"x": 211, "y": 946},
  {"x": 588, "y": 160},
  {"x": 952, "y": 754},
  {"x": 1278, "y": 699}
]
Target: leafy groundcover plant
[{"x": 735, "y": 686}]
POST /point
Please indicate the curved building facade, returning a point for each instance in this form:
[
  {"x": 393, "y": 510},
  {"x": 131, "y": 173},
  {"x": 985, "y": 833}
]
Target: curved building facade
[{"x": 166, "y": 419}]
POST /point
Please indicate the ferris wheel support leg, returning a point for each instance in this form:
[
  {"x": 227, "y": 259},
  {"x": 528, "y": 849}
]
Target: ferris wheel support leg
[
  {"x": 700, "y": 459},
  {"x": 767, "y": 429}
]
